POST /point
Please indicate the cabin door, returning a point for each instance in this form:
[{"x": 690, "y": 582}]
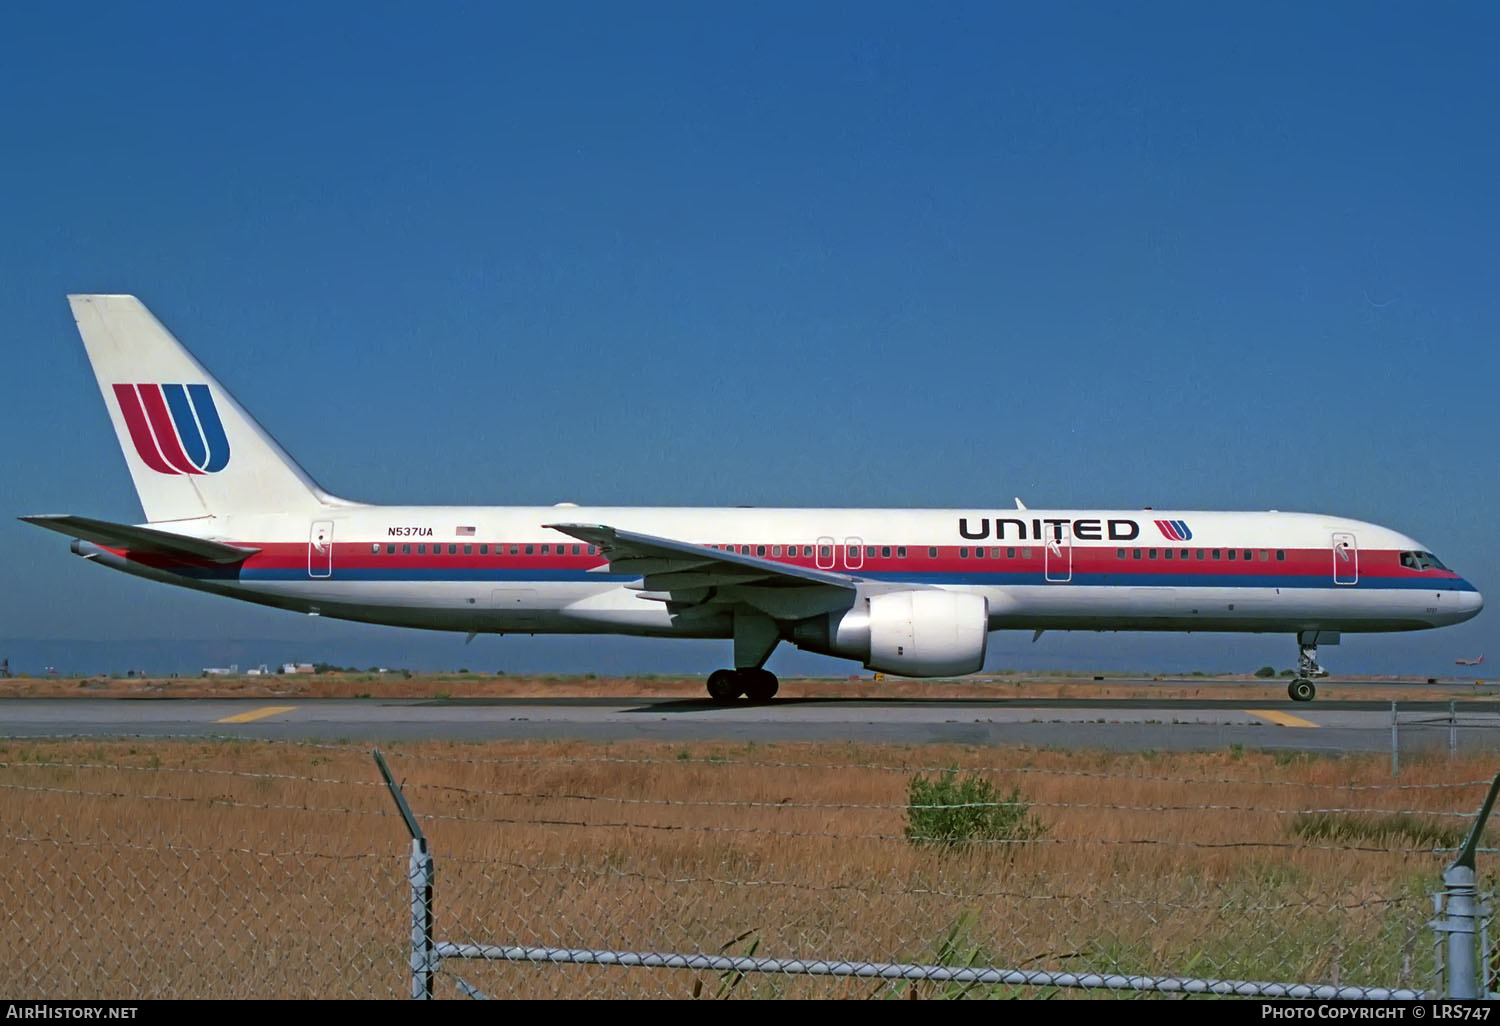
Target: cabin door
[
  {"x": 320, "y": 549},
  {"x": 825, "y": 553},
  {"x": 1345, "y": 559},
  {"x": 1057, "y": 553}
]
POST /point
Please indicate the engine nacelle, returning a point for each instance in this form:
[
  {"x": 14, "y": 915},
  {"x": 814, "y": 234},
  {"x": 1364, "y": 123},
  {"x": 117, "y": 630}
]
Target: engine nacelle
[{"x": 927, "y": 633}]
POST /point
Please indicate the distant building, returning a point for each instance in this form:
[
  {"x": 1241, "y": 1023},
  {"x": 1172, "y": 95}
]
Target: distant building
[
  {"x": 296, "y": 667},
  {"x": 258, "y": 671},
  {"x": 221, "y": 671}
]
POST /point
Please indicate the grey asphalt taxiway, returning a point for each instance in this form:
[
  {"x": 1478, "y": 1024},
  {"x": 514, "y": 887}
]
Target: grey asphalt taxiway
[{"x": 1120, "y": 724}]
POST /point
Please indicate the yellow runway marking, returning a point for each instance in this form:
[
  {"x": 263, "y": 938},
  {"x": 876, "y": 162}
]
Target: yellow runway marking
[
  {"x": 1281, "y": 718},
  {"x": 256, "y": 714}
]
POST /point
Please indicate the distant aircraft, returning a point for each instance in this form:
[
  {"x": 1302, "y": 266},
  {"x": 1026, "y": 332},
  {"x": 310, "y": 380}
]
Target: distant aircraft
[
  {"x": 1469, "y": 662},
  {"x": 913, "y": 592}
]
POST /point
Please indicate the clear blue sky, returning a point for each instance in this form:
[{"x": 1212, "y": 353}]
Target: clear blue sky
[{"x": 795, "y": 254}]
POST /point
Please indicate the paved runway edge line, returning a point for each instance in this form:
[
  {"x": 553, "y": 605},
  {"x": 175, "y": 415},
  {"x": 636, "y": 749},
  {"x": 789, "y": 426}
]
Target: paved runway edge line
[
  {"x": 257, "y": 714},
  {"x": 1280, "y": 718}
]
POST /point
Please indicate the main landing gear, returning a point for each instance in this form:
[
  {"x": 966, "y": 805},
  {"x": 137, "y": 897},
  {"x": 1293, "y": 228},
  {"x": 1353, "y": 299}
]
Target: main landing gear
[
  {"x": 1301, "y": 688},
  {"x": 725, "y": 686}
]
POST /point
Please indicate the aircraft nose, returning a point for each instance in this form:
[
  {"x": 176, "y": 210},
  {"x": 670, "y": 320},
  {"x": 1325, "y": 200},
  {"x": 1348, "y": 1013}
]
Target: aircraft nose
[{"x": 1470, "y": 602}]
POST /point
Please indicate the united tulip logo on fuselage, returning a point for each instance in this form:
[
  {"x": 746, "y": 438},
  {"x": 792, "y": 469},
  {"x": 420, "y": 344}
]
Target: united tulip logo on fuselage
[
  {"x": 1174, "y": 530},
  {"x": 175, "y": 428}
]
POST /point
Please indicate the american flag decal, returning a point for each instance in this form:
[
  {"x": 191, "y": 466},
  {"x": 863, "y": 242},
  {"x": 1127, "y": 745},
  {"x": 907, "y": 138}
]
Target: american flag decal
[{"x": 465, "y": 532}]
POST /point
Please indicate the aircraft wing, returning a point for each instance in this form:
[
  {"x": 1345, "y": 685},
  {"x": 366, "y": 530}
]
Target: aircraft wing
[
  {"x": 142, "y": 539},
  {"x": 669, "y": 565}
]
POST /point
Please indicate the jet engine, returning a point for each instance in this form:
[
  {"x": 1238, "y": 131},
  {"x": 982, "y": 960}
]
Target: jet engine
[{"x": 926, "y": 633}]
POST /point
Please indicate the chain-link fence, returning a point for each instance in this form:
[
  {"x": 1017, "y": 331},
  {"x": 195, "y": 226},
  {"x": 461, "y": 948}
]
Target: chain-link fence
[
  {"x": 1419, "y": 733},
  {"x": 223, "y": 869}
]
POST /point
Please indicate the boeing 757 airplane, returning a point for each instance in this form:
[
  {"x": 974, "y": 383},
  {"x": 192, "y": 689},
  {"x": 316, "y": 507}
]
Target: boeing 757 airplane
[{"x": 913, "y": 592}]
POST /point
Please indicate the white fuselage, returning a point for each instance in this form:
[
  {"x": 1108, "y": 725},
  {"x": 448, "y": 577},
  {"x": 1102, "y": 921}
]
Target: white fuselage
[{"x": 498, "y": 569}]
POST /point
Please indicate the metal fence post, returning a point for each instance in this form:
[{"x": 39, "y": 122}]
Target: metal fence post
[
  {"x": 1395, "y": 745},
  {"x": 1461, "y": 902},
  {"x": 1452, "y": 729},
  {"x": 419, "y": 874},
  {"x": 1463, "y": 968}
]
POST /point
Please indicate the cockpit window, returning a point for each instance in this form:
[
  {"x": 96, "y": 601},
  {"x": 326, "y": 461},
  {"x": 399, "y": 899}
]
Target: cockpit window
[{"x": 1421, "y": 561}]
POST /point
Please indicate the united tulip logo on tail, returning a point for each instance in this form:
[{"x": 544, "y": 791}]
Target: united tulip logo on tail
[
  {"x": 1174, "y": 530},
  {"x": 175, "y": 428}
]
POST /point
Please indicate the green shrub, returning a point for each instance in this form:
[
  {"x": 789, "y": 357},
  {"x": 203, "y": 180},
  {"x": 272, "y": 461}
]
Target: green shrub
[
  {"x": 1266, "y": 671},
  {"x": 950, "y": 813},
  {"x": 1398, "y": 828}
]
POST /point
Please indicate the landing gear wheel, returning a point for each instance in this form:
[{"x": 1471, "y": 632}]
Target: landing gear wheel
[
  {"x": 1301, "y": 690},
  {"x": 760, "y": 685},
  {"x": 724, "y": 686}
]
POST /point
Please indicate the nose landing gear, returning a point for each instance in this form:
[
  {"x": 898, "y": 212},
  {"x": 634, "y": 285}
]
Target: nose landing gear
[{"x": 1301, "y": 688}]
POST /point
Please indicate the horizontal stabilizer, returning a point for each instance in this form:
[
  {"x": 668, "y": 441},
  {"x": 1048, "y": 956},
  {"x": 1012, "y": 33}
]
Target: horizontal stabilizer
[{"x": 142, "y": 539}]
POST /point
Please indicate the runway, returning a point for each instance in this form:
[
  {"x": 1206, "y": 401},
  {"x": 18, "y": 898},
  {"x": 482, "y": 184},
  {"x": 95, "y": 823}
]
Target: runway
[{"x": 1114, "y": 724}]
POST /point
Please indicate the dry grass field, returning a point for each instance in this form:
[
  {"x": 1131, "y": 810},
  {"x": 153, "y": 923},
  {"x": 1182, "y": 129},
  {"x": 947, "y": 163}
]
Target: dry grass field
[
  {"x": 257, "y": 869},
  {"x": 1238, "y": 688}
]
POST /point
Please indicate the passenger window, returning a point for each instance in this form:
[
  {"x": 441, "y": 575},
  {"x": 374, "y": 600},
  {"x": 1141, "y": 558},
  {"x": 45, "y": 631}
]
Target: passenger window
[
  {"x": 1184, "y": 553},
  {"x": 484, "y": 550},
  {"x": 775, "y": 550},
  {"x": 744, "y": 550},
  {"x": 577, "y": 549},
  {"x": 530, "y": 549},
  {"x": 1137, "y": 554},
  {"x": 390, "y": 550},
  {"x": 1281, "y": 554},
  {"x": 932, "y": 553},
  {"x": 869, "y": 551},
  {"x": 1216, "y": 554},
  {"x": 1200, "y": 554},
  {"x": 375, "y": 548},
  {"x": 885, "y": 552},
  {"x": 963, "y": 553},
  {"x": 760, "y": 550},
  {"x": 900, "y": 551},
  {"x": 406, "y": 550},
  {"x": 468, "y": 550},
  {"x": 1264, "y": 555},
  {"x": 516, "y": 549},
  {"x": 421, "y": 550},
  {"x": 1150, "y": 553},
  {"x": 452, "y": 550},
  {"x": 1010, "y": 553},
  {"x": 825, "y": 551},
  {"x": 1119, "y": 553},
  {"x": 978, "y": 552},
  {"x": 593, "y": 550},
  {"x": 1026, "y": 553},
  {"x": 1166, "y": 553},
  {"x": 1249, "y": 555},
  {"x": 1233, "y": 553},
  {"x": 995, "y": 552}
]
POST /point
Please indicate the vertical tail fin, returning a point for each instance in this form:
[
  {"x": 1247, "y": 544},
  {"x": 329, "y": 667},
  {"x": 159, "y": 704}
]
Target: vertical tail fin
[{"x": 192, "y": 450}]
